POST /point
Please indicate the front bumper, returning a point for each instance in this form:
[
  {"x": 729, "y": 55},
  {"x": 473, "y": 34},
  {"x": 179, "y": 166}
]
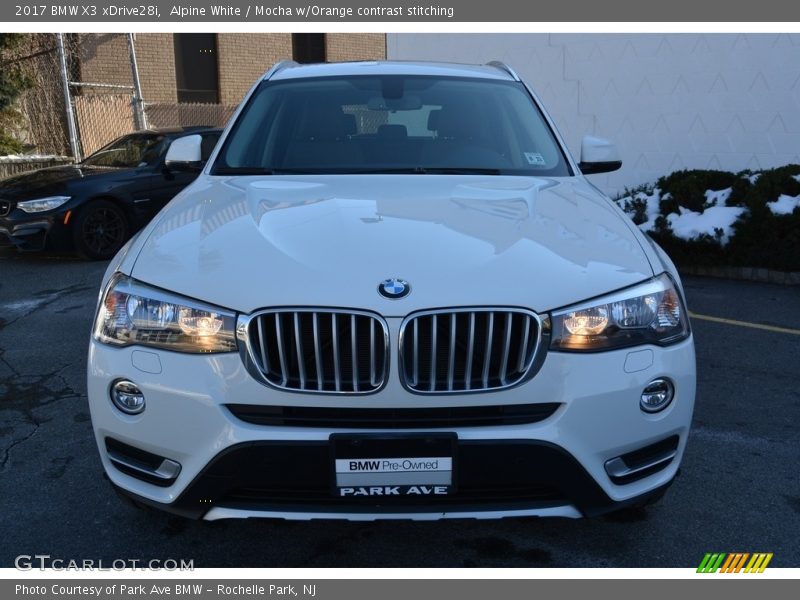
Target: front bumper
[
  {"x": 233, "y": 468},
  {"x": 32, "y": 232}
]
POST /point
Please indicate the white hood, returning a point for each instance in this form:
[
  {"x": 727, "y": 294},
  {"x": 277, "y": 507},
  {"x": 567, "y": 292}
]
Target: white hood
[{"x": 251, "y": 242}]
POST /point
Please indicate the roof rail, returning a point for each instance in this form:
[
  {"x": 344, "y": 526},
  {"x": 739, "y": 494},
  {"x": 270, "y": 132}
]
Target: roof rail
[
  {"x": 497, "y": 64},
  {"x": 280, "y": 66}
]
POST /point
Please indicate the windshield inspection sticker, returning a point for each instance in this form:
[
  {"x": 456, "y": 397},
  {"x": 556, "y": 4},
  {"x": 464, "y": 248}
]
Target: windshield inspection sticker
[{"x": 534, "y": 158}]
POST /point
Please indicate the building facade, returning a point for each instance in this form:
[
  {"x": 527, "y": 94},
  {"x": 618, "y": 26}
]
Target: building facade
[
  {"x": 211, "y": 67},
  {"x": 670, "y": 101}
]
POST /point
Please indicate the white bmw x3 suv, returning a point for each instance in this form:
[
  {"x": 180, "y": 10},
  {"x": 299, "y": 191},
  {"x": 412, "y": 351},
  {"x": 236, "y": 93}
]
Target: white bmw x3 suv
[{"x": 391, "y": 293}]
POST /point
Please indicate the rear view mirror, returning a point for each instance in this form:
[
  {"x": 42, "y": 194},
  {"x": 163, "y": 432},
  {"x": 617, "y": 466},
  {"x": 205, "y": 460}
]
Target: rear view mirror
[
  {"x": 598, "y": 156},
  {"x": 406, "y": 102},
  {"x": 185, "y": 154}
]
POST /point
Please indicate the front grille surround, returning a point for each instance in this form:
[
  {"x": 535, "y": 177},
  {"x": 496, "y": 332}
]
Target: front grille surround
[
  {"x": 368, "y": 377},
  {"x": 5, "y": 207},
  {"x": 528, "y": 361}
]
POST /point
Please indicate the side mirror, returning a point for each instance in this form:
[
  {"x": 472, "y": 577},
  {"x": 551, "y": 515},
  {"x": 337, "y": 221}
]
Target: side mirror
[
  {"x": 185, "y": 154},
  {"x": 598, "y": 156}
]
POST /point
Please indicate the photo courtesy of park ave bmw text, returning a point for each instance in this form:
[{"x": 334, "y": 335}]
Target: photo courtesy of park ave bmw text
[{"x": 420, "y": 286}]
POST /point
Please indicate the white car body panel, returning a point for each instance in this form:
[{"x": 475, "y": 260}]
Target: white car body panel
[{"x": 442, "y": 233}]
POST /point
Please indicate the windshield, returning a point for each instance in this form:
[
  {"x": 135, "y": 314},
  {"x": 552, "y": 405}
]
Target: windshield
[
  {"x": 139, "y": 150},
  {"x": 391, "y": 124}
]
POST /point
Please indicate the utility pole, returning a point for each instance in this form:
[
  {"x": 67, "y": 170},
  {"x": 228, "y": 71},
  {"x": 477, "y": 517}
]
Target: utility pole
[
  {"x": 138, "y": 101},
  {"x": 73, "y": 130}
]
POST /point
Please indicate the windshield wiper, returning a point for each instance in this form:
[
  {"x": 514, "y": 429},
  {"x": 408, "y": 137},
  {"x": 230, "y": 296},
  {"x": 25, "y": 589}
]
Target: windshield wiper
[
  {"x": 357, "y": 171},
  {"x": 460, "y": 171},
  {"x": 267, "y": 171},
  {"x": 421, "y": 171}
]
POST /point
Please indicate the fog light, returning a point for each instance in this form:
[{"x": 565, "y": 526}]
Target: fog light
[
  {"x": 127, "y": 397},
  {"x": 657, "y": 395}
]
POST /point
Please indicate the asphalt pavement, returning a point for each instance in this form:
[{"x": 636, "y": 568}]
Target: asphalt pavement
[{"x": 739, "y": 489}]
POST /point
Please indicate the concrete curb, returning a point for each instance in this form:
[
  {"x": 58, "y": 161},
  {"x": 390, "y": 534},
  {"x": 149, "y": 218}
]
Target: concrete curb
[{"x": 745, "y": 274}]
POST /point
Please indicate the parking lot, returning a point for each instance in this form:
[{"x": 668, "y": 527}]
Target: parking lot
[{"x": 739, "y": 489}]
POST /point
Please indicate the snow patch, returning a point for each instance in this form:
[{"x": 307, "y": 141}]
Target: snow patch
[
  {"x": 651, "y": 202},
  {"x": 689, "y": 225},
  {"x": 784, "y": 205},
  {"x": 718, "y": 197},
  {"x": 652, "y": 209},
  {"x": 27, "y": 157},
  {"x": 752, "y": 178}
]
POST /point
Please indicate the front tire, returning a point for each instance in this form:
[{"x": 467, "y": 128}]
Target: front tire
[{"x": 100, "y": 230}]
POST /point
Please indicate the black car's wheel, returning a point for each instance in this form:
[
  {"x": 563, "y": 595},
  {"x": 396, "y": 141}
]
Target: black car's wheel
[{"x": 100, "y": 229}]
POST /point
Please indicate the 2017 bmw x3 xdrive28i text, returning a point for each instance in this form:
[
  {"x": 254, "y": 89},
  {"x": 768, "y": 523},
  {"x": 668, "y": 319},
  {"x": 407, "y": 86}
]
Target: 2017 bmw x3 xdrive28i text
[{"x": 391, "y": 293}]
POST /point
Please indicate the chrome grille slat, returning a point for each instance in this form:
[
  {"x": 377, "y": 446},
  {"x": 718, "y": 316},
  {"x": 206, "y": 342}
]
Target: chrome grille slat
[
  {"x": 452, "y": 357},
  {"x": 316, "y": 350},
  {"x": 434, "y": 349},
  {"x": 415, "y": 379},
  {"x": 264, "y": 366},
  {"x": 487, "y": 354},
  {"x": 281, "y": 351},
  {"x": 506, "y": 347},
  {"x": 372, "y": 352},
  {"x": 524, "y": 343},
  {"x": 298, "y": 344},
  {"x": 354, "y": 352},
  {"x": 335, "y": 343},
  {"x": 468, "y": 349}
]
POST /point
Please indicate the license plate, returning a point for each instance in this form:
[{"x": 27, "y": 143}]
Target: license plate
[{"x": 410, "y": 465}]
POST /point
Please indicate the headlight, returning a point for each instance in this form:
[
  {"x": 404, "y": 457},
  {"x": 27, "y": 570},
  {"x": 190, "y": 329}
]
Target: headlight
[
  {"x": 133, "y": 313},
  {"x": 649, "y": 313},
  {"x": 42, "y": 204}
]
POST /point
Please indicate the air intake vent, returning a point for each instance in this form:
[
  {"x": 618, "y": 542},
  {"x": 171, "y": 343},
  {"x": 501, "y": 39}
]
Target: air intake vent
[
  {"x": 326, "y": 351},
  {"x": 468, "y": 350}
]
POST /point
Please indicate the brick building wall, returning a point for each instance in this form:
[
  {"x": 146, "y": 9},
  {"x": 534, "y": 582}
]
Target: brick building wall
[
  {"x": 103, "y": 58},
  {"x": 355, "y": 46},
  {"x": 155, "y": 53},
  {"x": 243, "y": 57}
]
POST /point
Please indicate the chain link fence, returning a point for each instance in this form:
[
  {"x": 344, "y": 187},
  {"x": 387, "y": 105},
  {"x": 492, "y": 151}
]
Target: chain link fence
[
  {"x": 102, "y": 96},
  {"x": 102, "y": 118},
  {"x": 162, "y": 114}
]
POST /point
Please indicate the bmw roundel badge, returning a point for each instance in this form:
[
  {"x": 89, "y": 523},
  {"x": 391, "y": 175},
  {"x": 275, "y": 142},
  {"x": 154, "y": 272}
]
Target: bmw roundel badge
[{"x": 394, "y": 288}]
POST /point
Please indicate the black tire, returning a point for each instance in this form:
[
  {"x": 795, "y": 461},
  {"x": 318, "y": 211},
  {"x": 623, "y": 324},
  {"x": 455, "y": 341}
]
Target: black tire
[{"x": 100, "y": 230}]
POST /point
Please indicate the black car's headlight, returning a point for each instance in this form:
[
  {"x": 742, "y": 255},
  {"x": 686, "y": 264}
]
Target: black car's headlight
[
  {"x": 42, "y": 204},
  {"x": 133, "y": 313},
  {"x": 649, "y": 313}
]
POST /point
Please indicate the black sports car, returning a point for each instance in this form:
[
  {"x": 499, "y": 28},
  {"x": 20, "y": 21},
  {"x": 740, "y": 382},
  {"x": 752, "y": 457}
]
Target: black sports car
[{"x": 94, "y": 206}]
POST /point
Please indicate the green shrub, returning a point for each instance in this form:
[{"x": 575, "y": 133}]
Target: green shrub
[
  {"x": 634, "y": 204},
  {"x": 766, "y": 240},
  {"x": 688, "y": 188},
  {"x": 759, "y": 239}
]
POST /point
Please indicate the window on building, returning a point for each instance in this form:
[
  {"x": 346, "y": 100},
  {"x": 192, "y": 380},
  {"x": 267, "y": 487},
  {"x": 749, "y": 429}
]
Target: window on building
[
  {"x": 308, "y": 47},
  {"x": 196, "y": 69}
]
